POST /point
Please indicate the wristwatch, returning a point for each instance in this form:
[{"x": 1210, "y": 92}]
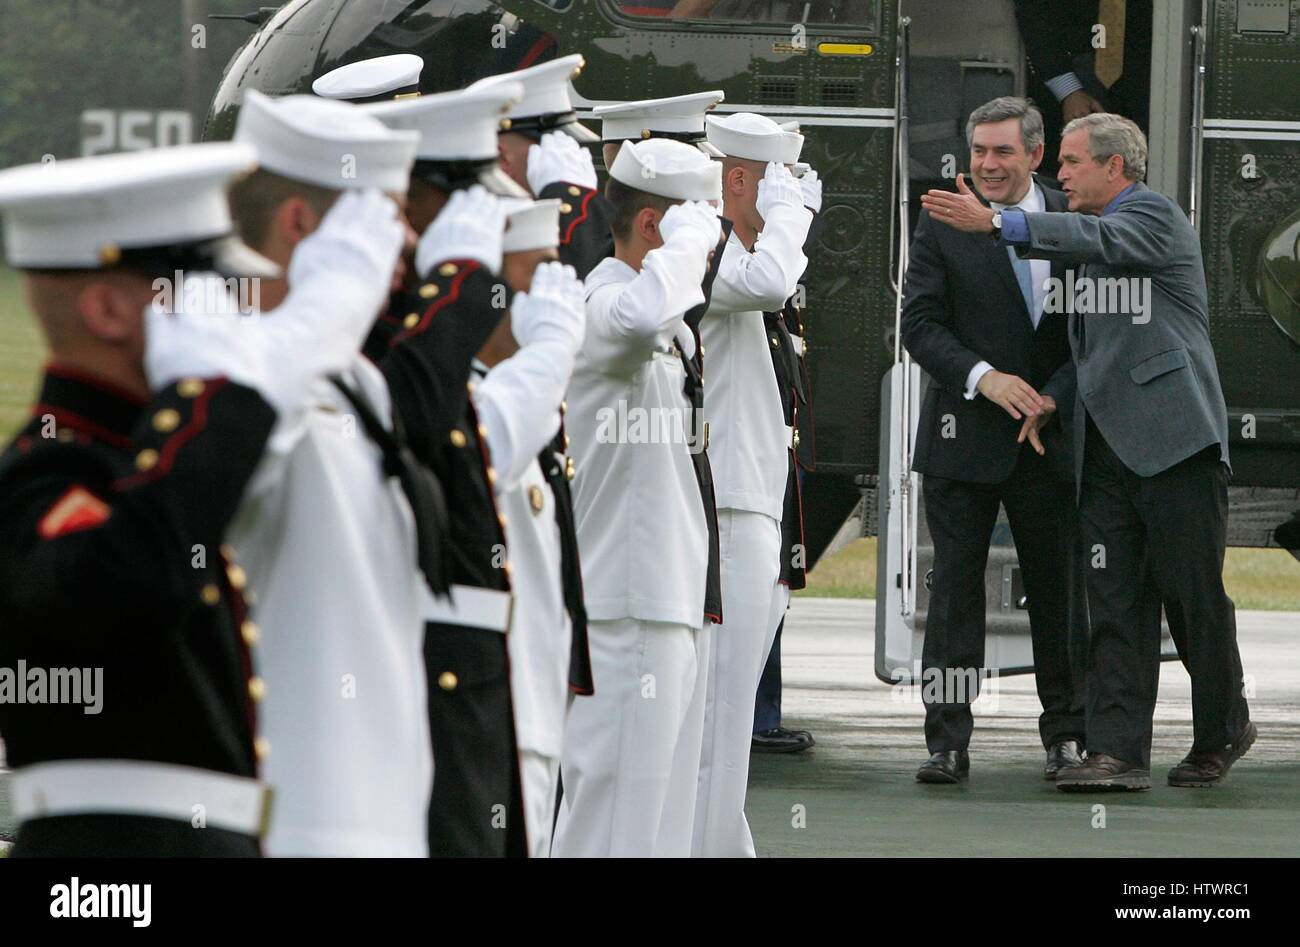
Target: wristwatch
[{"x": 997, "y": 224}]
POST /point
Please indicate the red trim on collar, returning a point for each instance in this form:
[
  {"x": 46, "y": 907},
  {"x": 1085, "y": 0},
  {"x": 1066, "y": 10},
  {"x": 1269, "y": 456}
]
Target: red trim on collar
[
  {"x": 582, "y": 216},
  {"x": 167, "y": 456},
  {"x": 466, "y": 268},
  {"x": 78, "y": 423}
]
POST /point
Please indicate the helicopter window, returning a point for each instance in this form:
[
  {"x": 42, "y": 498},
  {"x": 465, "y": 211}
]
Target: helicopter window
[{"x": 756, "y": 11}]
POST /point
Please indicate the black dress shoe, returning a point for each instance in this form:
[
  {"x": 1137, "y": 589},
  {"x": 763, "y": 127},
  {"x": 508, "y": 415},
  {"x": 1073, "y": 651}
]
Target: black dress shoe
[
  {"x": 1061, "y": 755},
  {"x": 781, "y": 740},
  {"x": 1202, "y": 770},
  {"x": 1102, "y": 773},
  {"x": 947, "y": 766}
]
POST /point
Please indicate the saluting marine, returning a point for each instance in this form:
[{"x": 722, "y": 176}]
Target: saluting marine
[
  {"x": 333, "y": 510},
  {"x": 523, "y": 372},
  {"x": 760, "y": 269},
  {"x": 631, "y": 751},
  {"x": 115, "y": 499}
]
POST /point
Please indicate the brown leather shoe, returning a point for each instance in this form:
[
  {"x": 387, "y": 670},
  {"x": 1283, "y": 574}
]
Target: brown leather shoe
[
  {"x": 1202, "y": 770},
  {"x": 1102, "y": 773}
]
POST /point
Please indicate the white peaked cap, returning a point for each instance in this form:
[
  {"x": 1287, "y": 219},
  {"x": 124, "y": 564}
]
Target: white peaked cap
[
  {"x": 372, "y": 79},
  {"x": 793, "y": 142},
  {"x": 680, "y": 117},
  {"x": 327, "y": 143},
  {"x": 546, "y": 93},
  {"x": 453, "y": 126},
  {"x": 82, "y": 213},
  {"x": 748, "y": 135},
  {"x": 668, "y": 168},
  {"x": 531, "y": 225}
]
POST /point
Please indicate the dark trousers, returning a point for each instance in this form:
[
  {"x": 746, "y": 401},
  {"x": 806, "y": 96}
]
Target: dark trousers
[
  {"x": 127, "y": 836},
  {"x": 961, "y": 516},
  {"x": 767, "y": 702},
  {"x": 476, "y": 809},
  {"x": 1148, "y": 540}
]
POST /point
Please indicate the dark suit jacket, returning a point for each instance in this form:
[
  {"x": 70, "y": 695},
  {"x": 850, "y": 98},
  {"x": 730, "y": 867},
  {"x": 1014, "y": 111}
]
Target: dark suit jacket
[{"x": 962, "y": 305}]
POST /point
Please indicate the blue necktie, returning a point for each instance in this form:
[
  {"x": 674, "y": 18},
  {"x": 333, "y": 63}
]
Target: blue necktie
[{"x": 1024, "y": 276}]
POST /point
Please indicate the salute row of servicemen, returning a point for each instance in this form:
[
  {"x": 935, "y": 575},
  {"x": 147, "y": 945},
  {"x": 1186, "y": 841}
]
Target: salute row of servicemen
[{"x": 440, "y": 545}]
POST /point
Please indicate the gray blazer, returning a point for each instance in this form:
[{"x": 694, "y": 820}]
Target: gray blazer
[{"x": 1146, "y": 374}]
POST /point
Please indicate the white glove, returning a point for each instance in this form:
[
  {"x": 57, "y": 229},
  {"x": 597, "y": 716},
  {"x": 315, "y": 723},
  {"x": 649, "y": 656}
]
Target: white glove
[
  {"x": 553, "y": 309},
  {"x": 469, "y": 227},
  {"x": 811, "y": 186},
  {"x": 345, "y": 267},
  {"x": 777, "y": 189},
  {"x": 694, "y": 224},
  {"x": 559, "y": 158},
  {"x": 202, "y": 344}
]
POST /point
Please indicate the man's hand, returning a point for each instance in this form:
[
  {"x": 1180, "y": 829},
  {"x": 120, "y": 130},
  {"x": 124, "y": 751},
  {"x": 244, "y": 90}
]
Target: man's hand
[
  {"x": 559, "y": 158},
  {"x": 778, "y": 188},
  {"x": 553, "y": 309},
  {"x": 962, "y": 210},
  {"x": 811, "y": 186},
  {"x": 470, "y": 227},
  {"x": 1078, "y": 104},
  {"x": 1034, "y": 424},
  {"x": 1013, "y": 393},
  {"x": 692, "y": 221}
]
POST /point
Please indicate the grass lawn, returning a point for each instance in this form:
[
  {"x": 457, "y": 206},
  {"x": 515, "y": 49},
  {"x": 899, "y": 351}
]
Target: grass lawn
[{"x": 1256, "y": 578}]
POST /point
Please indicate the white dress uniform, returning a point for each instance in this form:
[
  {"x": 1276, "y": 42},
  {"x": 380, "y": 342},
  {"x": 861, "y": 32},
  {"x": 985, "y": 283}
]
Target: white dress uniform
[
  {"x": 630, "y": 757},
  {"x": 749, "y": 448},
  {"x": 518, "y": 401},
  {"x": 329, "y": 543}
]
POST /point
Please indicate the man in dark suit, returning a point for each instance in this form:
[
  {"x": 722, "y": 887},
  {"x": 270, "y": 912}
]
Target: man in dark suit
[
  {"x": 974, "y": 319},
  {"x": 1151, "y": 432}
]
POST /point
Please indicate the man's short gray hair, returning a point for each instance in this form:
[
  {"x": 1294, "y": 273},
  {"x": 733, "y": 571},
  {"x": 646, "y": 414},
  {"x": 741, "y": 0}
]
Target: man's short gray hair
[
  {"x": 1003, "y": 108},
  {"x": 1109, "y": 135}
]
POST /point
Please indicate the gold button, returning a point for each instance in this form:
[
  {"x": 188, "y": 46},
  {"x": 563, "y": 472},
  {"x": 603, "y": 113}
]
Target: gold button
[
  {"x": 190, "y": 388},
  {"x": 428, "y": 291},
  {"x": 564, "y": 407},
  {"x": 228, "y": 550},
  {"x": 261, "y": 748},
  {"x": 776, "y": 342},
  {"x": 250, "y": 633},
  {"x": 469, "y": 386},
  {"x": 482, "y": 432},
  {"x": 567, "y": 442},
  {"x": 448, "y": 269},
  {"x": 566, "y": 208},
  {"x": 701, "y": 351},
  {"x": 505, "y": 124},
  {"x": 575, "y": 191},
  {"x": 509, "y": 570},
  {"x": 492, "y": 476},
  {"x": 570, "y": 471},
  {"x": 211, "y": 595},
  {"x": 109, "y": 254},
  {"x": 64, "y": 435},
  {"x": 448, "y": 681},
  {"x": 646, "y": 133},
  {"x": 458, "y": 438},
  {"x": 803, "y": 346},
  {"x": 535, "y": 499},
  {"x": 167, "y": 420},
  {"x": 256, "y": 688},
  {"x": 796, "y": 438},
  {"x": 147, "y": 459},
  {"x": 411, "y": 321},
  {"x": 501, "y": 521},
  {"x": 238, "y": 578}
]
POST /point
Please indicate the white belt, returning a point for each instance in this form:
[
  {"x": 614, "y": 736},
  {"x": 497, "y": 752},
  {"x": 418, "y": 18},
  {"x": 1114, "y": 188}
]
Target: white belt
[
  {"x": 136, "y": 787},
  {"x": 470, "y": 606},
  {"x": 800, "y": 347}
]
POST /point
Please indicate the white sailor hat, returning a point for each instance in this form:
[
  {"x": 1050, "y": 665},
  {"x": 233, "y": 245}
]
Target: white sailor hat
[
  {"x": 157, "y": 211},
  {"x": 680, "y": 117},
  {"x": 748, "y": 135},
  {"x": 668, "y": 168},
  {"x": 531, "y": 225},
  {"x": 331, "y": 144},
  {"x": 546, "y": 105},
  {"x": 458, "y": 135},
  {"x": 793, "y": 142},
  {"x": 373, "y": 80}
]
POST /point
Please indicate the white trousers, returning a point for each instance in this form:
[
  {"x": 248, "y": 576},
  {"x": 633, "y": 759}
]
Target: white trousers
[
  {"x": 538, "y": 776},
  {"x": 631, "y": 756},
  {"x": 751, "y": 547}
]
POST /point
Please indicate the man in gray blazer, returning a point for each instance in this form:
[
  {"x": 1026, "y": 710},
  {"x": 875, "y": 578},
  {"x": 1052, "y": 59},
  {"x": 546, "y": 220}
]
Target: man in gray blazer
[{"x": 1151, "y": 446}]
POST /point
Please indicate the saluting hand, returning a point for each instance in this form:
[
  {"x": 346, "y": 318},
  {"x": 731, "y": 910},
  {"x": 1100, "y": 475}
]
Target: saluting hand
[
  {"x": 552, "y": 310},
  {"x": 470, "y": 227},
  {"x": 559, "y": 158},
  {"x": 962, "y": 210},
  {"x": 1034, "y": 424}
]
